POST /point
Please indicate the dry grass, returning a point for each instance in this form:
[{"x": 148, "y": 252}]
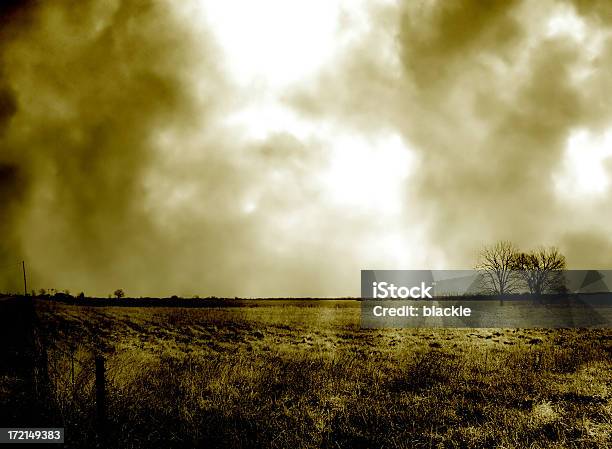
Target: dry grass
[{"x": 305, "y": 375}]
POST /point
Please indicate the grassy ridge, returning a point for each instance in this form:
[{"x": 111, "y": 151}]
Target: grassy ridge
[{"x": 298, "y": 375}]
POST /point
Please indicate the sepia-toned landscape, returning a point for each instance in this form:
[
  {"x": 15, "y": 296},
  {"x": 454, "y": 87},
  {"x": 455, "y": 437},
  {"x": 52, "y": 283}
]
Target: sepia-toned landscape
[{"x": 192, "y": 190}]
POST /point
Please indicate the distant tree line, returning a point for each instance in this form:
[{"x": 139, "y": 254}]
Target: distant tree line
[{"x": 505, "y": 269}]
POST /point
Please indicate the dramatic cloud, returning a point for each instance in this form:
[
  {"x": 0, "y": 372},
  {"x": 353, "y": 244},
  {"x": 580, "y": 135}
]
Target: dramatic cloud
[
  {"x": 134, "y": 155},
  {"x": 184, "y": 147},
  {"x": 490, "y": 98},
  {"x": 86, "y": 88}
]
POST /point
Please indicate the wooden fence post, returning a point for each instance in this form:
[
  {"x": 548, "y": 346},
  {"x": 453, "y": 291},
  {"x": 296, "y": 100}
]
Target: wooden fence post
[{"x": 100, "y": 394}]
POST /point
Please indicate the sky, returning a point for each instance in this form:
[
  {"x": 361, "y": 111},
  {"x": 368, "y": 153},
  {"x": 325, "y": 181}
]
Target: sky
[{"x": 278, "y": 147}]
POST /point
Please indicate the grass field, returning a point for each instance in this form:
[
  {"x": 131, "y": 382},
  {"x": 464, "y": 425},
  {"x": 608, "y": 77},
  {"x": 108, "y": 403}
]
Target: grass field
[{"x": 303, "y": 374}]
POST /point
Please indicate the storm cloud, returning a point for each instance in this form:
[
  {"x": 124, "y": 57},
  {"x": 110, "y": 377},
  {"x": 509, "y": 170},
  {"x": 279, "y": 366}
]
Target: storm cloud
[
  {"x": 488, "y": 96},
  {"x": 132, "y": 156},
  {"x": 85, "y": 88}
]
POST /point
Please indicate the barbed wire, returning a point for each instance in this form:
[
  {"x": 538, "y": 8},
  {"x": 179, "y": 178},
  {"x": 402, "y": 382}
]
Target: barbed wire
[{"x": 67, "y": 353}]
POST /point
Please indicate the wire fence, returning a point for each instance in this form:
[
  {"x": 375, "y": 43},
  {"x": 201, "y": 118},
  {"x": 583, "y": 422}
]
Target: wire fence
[
  {"x": 77, "y": 376},
  {"x": 66, "y": 377}
]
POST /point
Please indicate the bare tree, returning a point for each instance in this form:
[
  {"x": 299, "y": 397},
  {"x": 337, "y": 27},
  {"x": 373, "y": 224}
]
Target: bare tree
[
  {"x": 119, "y": 293},
  {"x": 542, "y": 270},
  {"x": 497, "y": 264}
]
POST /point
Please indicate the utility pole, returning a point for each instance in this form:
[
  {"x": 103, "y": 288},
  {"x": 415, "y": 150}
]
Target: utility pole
[{"x": 25, "y": 282}]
